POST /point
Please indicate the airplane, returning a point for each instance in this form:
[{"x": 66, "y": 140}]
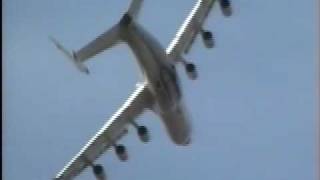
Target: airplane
[{"x": 160, "y": 91}]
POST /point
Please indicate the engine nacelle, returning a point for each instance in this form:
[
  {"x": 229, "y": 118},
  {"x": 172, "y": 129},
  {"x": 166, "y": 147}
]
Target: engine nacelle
[
  {"x": 99, "y": 172},
  {"x": 121, "y": 152},
  {"x": 143, "y": 134},
  {"x": 208, "y": 39},
  {"x": 191, "y": 71},
  {"x": 226, "y": 7}
]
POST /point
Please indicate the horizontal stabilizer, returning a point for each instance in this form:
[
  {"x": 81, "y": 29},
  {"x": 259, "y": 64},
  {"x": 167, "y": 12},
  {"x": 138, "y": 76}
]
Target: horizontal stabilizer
[
  {"x": 134, "y": 8},
  {"x": 80, "y": 66}
]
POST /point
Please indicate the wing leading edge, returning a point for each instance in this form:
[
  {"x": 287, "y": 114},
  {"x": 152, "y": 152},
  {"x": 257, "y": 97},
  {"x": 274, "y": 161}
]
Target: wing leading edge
[
  {"x": 111, "y": 132},
  {"x": 190, "y": 28},
  {"x": 193, "y": 25}
]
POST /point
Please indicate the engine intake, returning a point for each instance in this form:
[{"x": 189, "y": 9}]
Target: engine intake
[
  {"x": 191, "y": 71},
  {"x": 208, "y": 39},
  {"x": 143, "y": 134},
  {"x": 226, "y": 7},
  {"x": 121, "y": 152},
  {"x": 99, "y": 172}
]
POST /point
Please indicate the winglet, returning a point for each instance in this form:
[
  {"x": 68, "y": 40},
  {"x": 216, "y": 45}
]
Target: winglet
[{"x": 71, "y": 56}]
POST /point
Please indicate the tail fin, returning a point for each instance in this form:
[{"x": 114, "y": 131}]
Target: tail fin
[
  {"x": 79, "y": 65},
  {"x": 134, "y": 8}
]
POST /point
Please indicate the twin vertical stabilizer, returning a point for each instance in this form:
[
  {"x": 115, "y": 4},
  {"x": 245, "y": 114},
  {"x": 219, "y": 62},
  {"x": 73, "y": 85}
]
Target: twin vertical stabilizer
[
  {"x": 102, "y": 42},
  {"x": 79, "y": 65}
]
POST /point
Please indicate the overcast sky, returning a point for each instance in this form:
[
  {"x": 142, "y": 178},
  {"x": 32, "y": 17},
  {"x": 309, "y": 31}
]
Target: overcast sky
[{"x": 253, "y": 108}]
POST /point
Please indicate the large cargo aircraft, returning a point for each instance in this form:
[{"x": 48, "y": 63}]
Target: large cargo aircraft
[{"x": 160, "y": 92}]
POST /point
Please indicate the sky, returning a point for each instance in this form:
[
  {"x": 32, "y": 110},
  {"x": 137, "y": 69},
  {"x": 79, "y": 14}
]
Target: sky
[{"x": 253, "y": 107}]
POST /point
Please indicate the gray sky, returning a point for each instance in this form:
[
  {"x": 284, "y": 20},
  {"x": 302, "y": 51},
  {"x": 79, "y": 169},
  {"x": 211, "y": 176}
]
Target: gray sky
[{"x": 253, "y": 107}]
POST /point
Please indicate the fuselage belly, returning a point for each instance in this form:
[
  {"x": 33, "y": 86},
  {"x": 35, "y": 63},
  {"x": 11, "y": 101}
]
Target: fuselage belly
[{"x": 162, "y": 78}]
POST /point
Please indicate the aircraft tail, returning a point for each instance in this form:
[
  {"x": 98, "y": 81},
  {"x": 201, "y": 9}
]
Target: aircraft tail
[
  {"x": 71, "y": 56},
  {"x": 105, "y": 41},
  {"x": 132, "y": 12},
  {"x": 135, "y": 8}
]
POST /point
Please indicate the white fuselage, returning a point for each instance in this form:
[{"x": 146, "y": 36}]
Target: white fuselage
[{"x": 159, "y": 70}]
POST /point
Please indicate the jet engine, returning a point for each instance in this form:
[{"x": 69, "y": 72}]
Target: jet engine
[
  {"x": 143, "y": 134},
  {"x": 121, "y": 152},
  {"x": 98, "y": 172},
  {"x": 191, "y": 71},
  {"x": 226, "y": 7},
  {"x": 208, "y": 39}
]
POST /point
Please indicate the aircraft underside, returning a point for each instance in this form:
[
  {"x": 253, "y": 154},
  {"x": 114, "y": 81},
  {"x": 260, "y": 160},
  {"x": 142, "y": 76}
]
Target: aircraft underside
[{"x": 160, "y": 92}]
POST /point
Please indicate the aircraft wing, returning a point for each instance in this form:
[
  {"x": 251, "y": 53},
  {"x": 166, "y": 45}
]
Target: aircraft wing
[
  {"x": 112, "y": 131},
  {"x": 190, "y": 28}
]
